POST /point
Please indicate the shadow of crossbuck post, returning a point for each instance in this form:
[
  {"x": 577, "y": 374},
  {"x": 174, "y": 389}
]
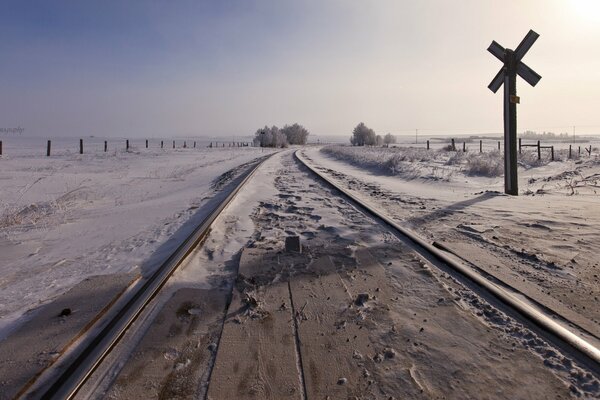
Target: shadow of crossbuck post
[{"x": 508, "y": 75}]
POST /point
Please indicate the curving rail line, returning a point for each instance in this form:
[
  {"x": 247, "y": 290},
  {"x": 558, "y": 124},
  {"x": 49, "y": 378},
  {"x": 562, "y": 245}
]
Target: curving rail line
[
  {"x": 67, "y": 383},
  {"x": 587, "y": 352}
]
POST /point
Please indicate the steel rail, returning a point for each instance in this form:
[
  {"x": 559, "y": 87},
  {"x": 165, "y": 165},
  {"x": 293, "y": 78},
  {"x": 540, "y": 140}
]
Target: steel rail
[
  {"x": 527, "y": 311},
  {"x": 72, "y": 378}
]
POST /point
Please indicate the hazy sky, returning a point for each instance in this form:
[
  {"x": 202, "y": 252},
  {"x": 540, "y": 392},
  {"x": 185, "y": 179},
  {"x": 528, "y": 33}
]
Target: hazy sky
[{"x": 162, "y": 68}]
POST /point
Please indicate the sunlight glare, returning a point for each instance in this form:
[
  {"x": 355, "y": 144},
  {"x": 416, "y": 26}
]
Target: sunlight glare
[{"x": 587, "y": 9}]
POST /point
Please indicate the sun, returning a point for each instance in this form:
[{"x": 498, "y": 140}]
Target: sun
[{"x": 586, "y": 9}]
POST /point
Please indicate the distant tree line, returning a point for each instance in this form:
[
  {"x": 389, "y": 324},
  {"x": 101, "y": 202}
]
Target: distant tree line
[
  {"x": 275, "y": 137},
  {"x": 362, "y": 135},
  {"x": 543, "y": 135}
]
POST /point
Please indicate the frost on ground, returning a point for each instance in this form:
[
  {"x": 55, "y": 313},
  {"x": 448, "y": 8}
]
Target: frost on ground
[
  {"x": 545, "y": 243},
  {"x": 440, "y": 164},
  {"x": 354, "y": 314},
  {"x": 68, "y": 217}
]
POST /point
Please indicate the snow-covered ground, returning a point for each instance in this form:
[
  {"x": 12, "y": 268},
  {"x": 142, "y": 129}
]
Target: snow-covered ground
[
  {"x": 440, "y": 339},
  {"x": 69, "y": 216},
  {"x": 544, "y": 242},
  {"x": 427, "y": 335}
]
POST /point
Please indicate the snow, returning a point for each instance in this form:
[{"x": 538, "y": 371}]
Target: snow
[
  {"x": 70, "y": 216},
  {"x": 438, "y": 324},
  {"x": 544, "y": 242},
  {"x": 232, "y": 231}
]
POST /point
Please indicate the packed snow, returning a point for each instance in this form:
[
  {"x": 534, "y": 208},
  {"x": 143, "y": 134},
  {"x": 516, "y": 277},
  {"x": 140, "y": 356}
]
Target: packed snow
[
  {"x": 544, "y": 242},
  {"x": 70, "y": 216}
]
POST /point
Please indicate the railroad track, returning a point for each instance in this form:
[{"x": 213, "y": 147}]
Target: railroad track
[
  {"x": 75, "y": 374},
  {"x": 66, "y": 380},
  {"x": 567, "y": 335}
]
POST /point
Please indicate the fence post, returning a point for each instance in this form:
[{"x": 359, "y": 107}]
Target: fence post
[
  {"x": 481, "y": 146},
  {"x": 428, "y": 145},
  {"x": 80, "y": 146},
  {"x": 552, "y": 152},
  {"x": 498, "y": 145},
  {"x": 453, "y": 146},
  {"x": 464, "y": 147},
  {"x": 146, "y": 143},
  {"x": 519, "y": 145},
  {"x": 194, "y": 144},
  {"x": 173, "y": 144},
  {"x": 48, "y": 149},
  {"x": 579, "y": 150},
  {"x": 127, "y": 144},
  {"x": 161, "y": 144},
  {"x": 0, "y": 147},
  {"x": 105, "y": 146},
  {"x": 569, "y": 152},
  {"x": 184, "y": 145},
  {"x": 539, "y": 150}
]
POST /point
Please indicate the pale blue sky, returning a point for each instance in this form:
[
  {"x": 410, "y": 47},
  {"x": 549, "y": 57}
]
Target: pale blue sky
[{"x": 222, "y": 68}]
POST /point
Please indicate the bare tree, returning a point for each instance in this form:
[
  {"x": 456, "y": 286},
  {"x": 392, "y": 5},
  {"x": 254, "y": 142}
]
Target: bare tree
[
  {"x": 389, "y": 139},
  {"x": 363, "y": 135},
  {"x": 295, "y": 134},
  {"x": 270, "y": 137}
]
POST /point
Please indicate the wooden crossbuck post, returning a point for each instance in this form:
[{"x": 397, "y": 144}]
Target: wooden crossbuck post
[{"x": 508, "y": 76}]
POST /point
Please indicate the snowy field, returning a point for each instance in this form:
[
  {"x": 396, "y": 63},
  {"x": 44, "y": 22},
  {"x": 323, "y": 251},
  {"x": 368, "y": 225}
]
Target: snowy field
[
  {"x": 444, "y": 165},
  {"x": 70, "y": 216},
  {"x": 544, "y": 242}
]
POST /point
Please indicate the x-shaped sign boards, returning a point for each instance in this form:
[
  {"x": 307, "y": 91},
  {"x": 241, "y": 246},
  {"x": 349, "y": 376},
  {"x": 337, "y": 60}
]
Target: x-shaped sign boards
[{"x": 523, "y": 70}]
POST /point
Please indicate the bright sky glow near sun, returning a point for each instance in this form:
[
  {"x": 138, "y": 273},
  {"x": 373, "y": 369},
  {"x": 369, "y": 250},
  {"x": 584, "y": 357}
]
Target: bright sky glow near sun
[{"x": 223, "y": 68}]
